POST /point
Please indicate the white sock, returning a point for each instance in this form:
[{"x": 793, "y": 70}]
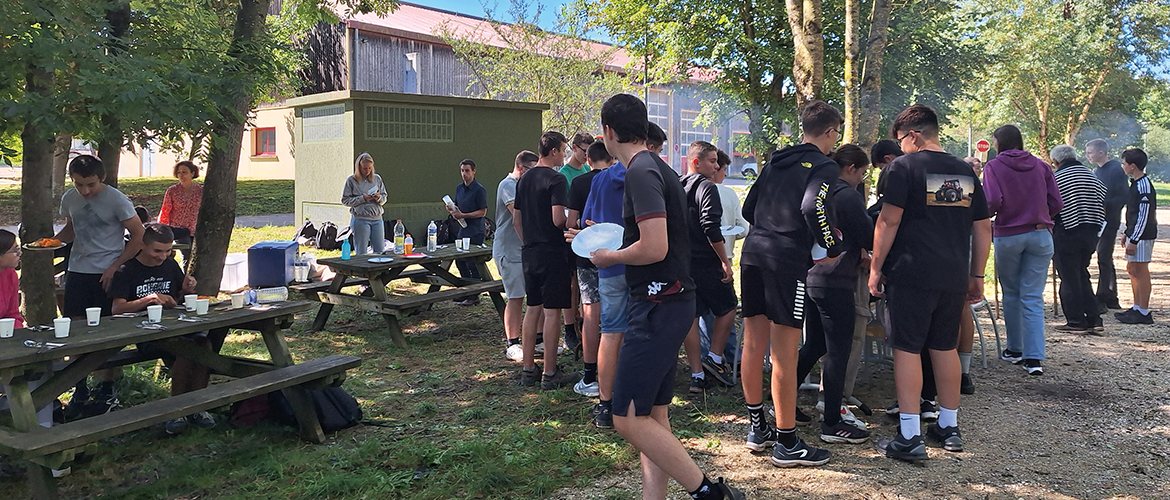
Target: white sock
[
  {"x": 911, "y": 424},
  {"x": 716, "y": 358},
  {"x": 965, "y": 361},
  {"x": 948, "y": 418},
  {"x": 1141, "y": 309},
  {"x": 700, "y": 375}
]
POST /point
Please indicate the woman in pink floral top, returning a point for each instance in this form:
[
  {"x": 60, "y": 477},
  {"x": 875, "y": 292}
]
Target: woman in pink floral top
[
  {"x": 180, "y": 206},
  {"x": 9, "y": 282}
]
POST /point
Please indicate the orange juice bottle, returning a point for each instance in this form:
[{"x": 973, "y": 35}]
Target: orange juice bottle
[{"x": 408, "y": 244}]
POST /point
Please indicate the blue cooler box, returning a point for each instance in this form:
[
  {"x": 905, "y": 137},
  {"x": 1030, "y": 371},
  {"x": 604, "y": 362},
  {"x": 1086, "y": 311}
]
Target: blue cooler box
[{"x": 270, "y": 263}]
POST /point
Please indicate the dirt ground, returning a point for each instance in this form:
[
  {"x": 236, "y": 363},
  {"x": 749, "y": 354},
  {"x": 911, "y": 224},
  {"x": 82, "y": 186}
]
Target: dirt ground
[{"x": 1096, "y": 425}]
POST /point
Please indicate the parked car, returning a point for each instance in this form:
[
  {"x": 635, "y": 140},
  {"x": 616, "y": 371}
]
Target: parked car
[{"x": 749, "y": 170}]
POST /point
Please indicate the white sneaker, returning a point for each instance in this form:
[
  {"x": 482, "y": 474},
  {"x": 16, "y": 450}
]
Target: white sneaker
[
  {"x": 587, "y": 390},
  {"x": 847, "y": 416},
  {"x": 540, "y": 349},
  {"x": 514, "y": 352}
]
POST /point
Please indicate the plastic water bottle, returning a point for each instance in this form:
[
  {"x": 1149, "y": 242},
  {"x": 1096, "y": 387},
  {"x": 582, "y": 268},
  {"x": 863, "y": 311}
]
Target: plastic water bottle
[
  {"x": 432, "y": 237},
  {"x": 399, "y": 238},
  {"x": 345, "y": 250},
  {"x": 273, "y": 294}
]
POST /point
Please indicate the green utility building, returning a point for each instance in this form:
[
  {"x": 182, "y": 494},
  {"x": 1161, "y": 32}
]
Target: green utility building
[{"x": 417, "y": 142}]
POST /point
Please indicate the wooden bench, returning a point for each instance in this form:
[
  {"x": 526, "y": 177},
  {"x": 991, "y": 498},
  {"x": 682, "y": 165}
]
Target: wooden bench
[
  {"x": 309, "y": 290},
  {"x": 412, "y": 304},
  {"x": 50, "y": 447}
]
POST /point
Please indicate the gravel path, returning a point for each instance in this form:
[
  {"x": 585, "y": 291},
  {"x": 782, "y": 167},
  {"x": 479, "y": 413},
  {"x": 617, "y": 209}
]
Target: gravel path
[{"x": 1096, "y": 425}]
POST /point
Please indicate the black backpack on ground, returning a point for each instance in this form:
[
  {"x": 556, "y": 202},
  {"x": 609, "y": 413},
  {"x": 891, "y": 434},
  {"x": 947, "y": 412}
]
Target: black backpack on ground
[
  {"x": 307, "y": 234},
  {"x": 336, "y": 409},
  {"x": 330, "y": 237}
]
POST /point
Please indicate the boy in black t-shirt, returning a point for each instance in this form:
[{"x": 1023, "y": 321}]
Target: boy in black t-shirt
[
  {"x": 788, "y": 208},
  {"x": 154, "y": 278},
  {"x": 710, "y": 266},
  {"x": 656, "y": 251},
  {"x": 930, "y": 247},
  {"x": 539, "y": 219}
]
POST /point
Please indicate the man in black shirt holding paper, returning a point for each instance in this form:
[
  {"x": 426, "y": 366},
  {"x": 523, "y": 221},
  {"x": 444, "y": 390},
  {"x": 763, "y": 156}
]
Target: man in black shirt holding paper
[
  {"x": 930, "y": 247},
  {"x": 656, "y": 252}
]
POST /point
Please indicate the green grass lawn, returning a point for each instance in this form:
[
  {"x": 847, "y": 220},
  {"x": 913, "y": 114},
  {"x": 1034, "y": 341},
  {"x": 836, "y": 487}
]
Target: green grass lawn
[
  {"x": 1163, "y": 190},
  {"x": 253, "y": 196}
]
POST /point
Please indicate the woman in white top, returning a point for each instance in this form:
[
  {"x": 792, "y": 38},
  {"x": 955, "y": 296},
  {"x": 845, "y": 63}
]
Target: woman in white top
[{"x": 365, "y": 194}]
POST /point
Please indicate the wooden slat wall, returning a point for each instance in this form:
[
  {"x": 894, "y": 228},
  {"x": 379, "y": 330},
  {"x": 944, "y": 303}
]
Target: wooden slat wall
[{"x": 379, "y": 66}]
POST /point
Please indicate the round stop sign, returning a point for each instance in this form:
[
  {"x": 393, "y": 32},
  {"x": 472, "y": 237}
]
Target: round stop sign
[{"x": 983, "y": 146}]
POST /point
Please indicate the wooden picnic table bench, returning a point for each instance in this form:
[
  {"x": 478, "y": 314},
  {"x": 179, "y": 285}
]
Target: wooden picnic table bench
[
  {"x": 89, "y": 348},
  {"x": 434, "y": 271}
]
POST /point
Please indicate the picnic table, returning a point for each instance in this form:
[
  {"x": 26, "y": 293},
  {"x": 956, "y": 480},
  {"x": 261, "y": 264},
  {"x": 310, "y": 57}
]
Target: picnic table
[
  {"x": 89, "y": 348},
  {"x": 433, "y": 269}
]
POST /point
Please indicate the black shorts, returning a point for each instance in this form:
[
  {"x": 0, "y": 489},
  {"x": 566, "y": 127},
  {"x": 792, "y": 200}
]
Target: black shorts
[
  {"x": 548, "y": 278},
  {"x": 778, "y": 296},
  {"x": 84, "y": 290},
  {"x": 923, "y": 319},
  {"x": 712, "y": 295},
  {"x": 649, "y": 353}
]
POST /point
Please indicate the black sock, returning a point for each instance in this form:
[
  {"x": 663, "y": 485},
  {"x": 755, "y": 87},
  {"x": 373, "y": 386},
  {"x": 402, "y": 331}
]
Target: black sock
[
  {"x": 590, "y": 373},
  {"x": 540, "y": 338},
  {"x": 529, "y": 370},
  {"x": 512, "y": 342},
  {"x": 707, "y": 491},
  {"x": 607, "y": 403},
  {"x": 787, "y": 437},
  {"x": 570, "y": 331},
  {"x": 756, "y": 415}
]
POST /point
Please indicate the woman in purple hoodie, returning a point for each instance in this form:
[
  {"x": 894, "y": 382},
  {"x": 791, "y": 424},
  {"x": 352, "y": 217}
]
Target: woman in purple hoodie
[{"x": 1022, "y": 196}]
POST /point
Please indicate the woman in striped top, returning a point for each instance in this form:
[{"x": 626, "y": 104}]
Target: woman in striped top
[{"x": 1074, "y": 236}]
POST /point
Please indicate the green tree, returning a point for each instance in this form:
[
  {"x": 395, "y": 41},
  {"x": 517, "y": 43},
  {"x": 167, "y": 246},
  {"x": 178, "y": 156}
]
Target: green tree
[
  {"x": 1053, "y": 66},
  {"x": 563, "y": 70}
]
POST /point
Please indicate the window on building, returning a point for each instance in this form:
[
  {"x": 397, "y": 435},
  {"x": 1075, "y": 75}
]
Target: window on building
[
  {"x": 658, "y": 108},
  {"x": 689, "y": 131},
  {"x": 265, "y": 142}
]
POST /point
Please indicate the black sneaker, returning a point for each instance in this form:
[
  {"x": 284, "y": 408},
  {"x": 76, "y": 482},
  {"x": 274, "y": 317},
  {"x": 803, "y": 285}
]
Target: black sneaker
[
  {"x": 1114, "y": 305},
  {"x": 966, "y": 385},
  {"x": 760, "y": 439},
  {"x": 572, "y": 340},
  {"x": 842, "y": 432},
  {"x": 1033, "y": 367},
  {"x": 928, "y": 411},
  {"x": 557, "y": 380},
  {"x": 910, "y": 450},
  {"x": 1013, "y": 357},
  {"x": 893, "y": 409},
  {"x": 799, "y": 455},
  {"x": 949, "y": 437},
  {"x": 721, "y": 371},
  {"x": 698, "y": 386},
  {"x": 1071, "y": 328},
  {"x": 802, "y": 419},
  {"x": 728, "y": 492},
  {"x": 1133, "y": 317},
  {"x": 529, "y": 378},
  {"x": 603, "y": 416}
]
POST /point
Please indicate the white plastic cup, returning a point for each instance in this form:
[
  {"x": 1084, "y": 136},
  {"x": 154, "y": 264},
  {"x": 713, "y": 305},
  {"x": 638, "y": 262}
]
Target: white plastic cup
[
  {"x": 238, "y": 300},
  {"x": 189, "y": 302},
  {"x": 61, "y": 327},
  {"x": 93, "y": 316},
  {"x": 201, "y": 306},
  {"x": 467, "y": 244},
  {"x": 154, "y": 313},
  {"x": 7, "y": 325}
]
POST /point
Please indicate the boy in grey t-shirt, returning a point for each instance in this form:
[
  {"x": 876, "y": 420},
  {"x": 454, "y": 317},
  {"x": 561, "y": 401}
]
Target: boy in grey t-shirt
[{"x": 96, "y": 219}]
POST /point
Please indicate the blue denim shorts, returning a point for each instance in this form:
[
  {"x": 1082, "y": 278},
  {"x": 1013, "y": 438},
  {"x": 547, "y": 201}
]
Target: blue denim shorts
[{"x": 615, "y": 299}]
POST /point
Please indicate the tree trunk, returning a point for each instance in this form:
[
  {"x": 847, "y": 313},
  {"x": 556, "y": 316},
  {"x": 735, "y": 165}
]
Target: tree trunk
[
  {"x": 808, "y": 73},
  {"x": 36, "y": 207},
  {"x": 1074, "y": 126},
  {"x": 871, "y": 80},
  {"x": 217, "y": 214},
  {"x": 112, "y": 139},
  {"x": 852, "y": 59},
  {"x": 60, "y": 167}
]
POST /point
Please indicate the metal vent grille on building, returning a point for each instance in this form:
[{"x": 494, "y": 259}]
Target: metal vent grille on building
[
  {"x": 409, "y": 123},
  {"x": 323, "y": 123}
]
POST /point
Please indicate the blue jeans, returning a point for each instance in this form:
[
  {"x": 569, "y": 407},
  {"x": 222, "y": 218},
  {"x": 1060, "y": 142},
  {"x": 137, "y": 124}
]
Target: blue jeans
[
  {"x": 1022, "y": 261},
  {"x": 368, "y": 233},
  {"x": 730, "y": 349}
]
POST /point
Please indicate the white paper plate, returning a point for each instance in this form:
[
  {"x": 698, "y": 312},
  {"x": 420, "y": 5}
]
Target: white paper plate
[
  {"x": 381, "y": 260},
  {"x": 732, "y": 230},
  {"x": 598, "y": 236}
]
